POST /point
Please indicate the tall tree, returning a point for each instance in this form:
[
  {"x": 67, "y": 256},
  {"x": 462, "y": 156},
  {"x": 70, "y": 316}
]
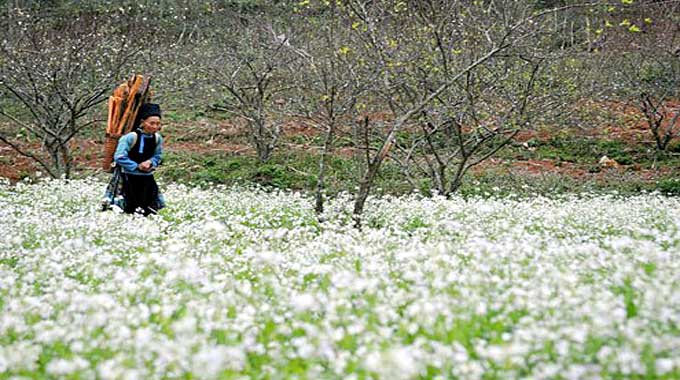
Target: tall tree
[
  {"x": 441, "y": 62},
  {"x": 642, "y": 65},
  {"x": 252, "y": 69},
  {"x": 330, "y": 85},
  {"x": 55, "y": 70}
]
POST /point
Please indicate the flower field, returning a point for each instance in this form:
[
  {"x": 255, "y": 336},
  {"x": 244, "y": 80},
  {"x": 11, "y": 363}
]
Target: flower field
[{"x": 232, "y": 283}]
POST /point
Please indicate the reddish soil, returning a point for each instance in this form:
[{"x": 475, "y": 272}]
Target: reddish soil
[
  {"x": 12, "y": 165},
  {"x": 222, "y": 136},
  {"x": 631, "y": 125},
  {"x": 88, "y": 157},
  {"x": 575, "y": 171}
]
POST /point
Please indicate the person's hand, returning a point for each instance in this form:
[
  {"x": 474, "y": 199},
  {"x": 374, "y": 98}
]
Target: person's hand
[{"x": 146, "y": 166}]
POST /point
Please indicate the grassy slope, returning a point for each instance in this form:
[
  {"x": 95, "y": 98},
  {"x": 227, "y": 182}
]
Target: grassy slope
[
  {"x": 205, "y": 149},
  {"x": 544, "y": 161}
]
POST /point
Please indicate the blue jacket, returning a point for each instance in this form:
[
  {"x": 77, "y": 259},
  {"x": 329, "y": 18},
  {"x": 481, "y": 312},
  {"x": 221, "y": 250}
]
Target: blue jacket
[{"x": 126, "y": 143}]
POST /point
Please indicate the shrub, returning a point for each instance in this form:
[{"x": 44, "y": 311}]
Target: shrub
[{"x": 670, "y": 186}]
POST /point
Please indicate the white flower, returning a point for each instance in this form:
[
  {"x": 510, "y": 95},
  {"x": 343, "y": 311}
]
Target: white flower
[
  {"x": 211, "y": 360},
  {"x": 664, "y": 366},
  {"x": 177, "y": 246},
  {"x": 143, "y": 337},
  {"x": 186, "y": 325},
  {"x": 397, "y": 363},
  {"x": 110, "y": 369},
  {"x": 303, "y": 302},
  {"x": 214, "y": 226},
  {"x": 190, "y": 294},
  {"x": 60, "y": 367}
]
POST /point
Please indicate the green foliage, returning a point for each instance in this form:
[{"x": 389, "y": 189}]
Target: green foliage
[
  {"x": 275, "y": 175},
  {"x": 670, "y": 186},
  {"x": 656, "y": 74},
  {"x": 415, "y": 224},
  {"x": 292, "y": 171},
  {"x": 584, "y": 150},
  {"x": 673, "y": 146},
  {"x": 628, "y": 293},
  {"x": 616, "y": 150},
  {"x": 289, "y": 170},
  {"x": 502, "y": 183}
]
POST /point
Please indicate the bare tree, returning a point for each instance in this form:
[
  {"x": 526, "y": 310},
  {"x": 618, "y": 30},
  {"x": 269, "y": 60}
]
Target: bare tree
[
  {"x": 329, "y": 86},
  {"x": 642, "y": 66},
  {"x": 55, "y": 70},
  {"x": 458, "y": 134},
  {"x": 252, "y": 71},
  {"x": 475, "y": 116},
  {"x": 445, "y": 71}
]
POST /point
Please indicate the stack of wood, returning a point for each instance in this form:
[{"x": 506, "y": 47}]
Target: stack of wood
[{"x": 124, "y": 105}]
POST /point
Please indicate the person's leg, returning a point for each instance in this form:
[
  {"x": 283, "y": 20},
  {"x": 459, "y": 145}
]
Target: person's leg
[
  {"x": 150, "y": 194},
  {"x": 113, "y": 190},
  {"x": 147, "y": 192},
  {"x": 133, "y": 188},
  {"x": 156, "y": 198},
  {"x": 140, "y": 193}
]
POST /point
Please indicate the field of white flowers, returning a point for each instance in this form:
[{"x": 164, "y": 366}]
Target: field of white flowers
[{"x": 246, "y": 284}]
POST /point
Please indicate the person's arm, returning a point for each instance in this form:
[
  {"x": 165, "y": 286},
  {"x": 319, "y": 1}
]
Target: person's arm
[
  {"x": 158, "y": 153},
  {"x": 121, "y": 155}
]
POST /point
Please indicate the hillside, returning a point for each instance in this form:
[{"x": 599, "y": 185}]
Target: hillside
[{"x": 434, "y": 96}]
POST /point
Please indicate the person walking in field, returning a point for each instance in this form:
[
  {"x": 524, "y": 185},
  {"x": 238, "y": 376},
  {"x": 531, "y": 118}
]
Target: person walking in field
[{"x": 137, "y": 155}]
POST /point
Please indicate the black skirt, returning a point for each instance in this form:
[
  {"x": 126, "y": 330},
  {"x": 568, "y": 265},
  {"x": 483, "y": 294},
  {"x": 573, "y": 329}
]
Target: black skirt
[{"x": 141, "y": 192}]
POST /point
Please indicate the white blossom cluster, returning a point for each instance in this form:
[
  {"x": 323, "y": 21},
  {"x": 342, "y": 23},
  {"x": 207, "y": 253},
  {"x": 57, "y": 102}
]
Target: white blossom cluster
[{"x": 233, "y": 283}]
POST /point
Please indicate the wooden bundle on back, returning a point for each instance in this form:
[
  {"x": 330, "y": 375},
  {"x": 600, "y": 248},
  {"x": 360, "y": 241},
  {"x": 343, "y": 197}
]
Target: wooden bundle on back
[{"x": 123, "y": 108}]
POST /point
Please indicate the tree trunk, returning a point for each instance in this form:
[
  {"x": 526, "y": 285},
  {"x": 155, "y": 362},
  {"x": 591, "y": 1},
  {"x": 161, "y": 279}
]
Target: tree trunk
[
  {"x": 367, "y": 181},
  {"x": 260, "y": 140},
  {"x": 373, "y": 167},
  {"x": 320, "y": 183},
  {"x": 60, "y": 156},
  {"x": 263, "y": 151}
]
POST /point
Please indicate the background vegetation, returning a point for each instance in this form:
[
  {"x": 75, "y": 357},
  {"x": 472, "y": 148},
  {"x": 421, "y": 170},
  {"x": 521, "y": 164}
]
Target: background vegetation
[{"x": 437, "y": 96}]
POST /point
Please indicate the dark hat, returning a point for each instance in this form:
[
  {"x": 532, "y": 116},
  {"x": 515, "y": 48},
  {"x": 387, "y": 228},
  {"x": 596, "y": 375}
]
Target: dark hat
[{"x": 148, "y": 109}]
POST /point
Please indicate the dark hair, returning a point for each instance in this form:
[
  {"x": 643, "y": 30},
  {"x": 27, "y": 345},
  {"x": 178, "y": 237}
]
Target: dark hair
[{"x": 147, "y": 110}]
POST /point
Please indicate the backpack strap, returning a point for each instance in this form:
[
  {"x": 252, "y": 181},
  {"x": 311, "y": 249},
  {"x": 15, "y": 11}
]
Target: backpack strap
[{"x": 134, "y": 139}]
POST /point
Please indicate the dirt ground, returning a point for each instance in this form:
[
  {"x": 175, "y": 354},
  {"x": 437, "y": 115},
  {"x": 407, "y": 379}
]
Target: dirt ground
[{"x": 207, "y": 136}]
